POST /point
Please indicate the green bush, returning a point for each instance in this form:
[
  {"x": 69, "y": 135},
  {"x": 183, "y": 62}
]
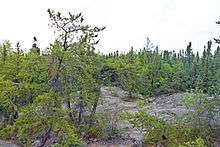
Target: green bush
[
  {"x": 98, "y": 128},
  {"x": 199, "y": 142},
  {"x": 157, "y": 131}
]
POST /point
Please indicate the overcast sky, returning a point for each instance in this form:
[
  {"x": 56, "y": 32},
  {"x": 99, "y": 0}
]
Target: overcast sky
[{"x": 171, "y": 24}]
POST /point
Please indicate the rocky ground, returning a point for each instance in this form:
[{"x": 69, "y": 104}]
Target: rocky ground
[
  {"x": 113, "y": 103},
  {"x": 6, "y": 144},
  {"x": 166, "y": 106}
]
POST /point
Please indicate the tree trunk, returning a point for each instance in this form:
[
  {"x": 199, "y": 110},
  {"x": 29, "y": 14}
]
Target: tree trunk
[
  {"x": 45, "y": 137},
  {"x": 69, "y": 108},
  {"x": 81, "y": 107},
  {"x": 91, "y": 117},
  {"x": 130, "y": 94}
]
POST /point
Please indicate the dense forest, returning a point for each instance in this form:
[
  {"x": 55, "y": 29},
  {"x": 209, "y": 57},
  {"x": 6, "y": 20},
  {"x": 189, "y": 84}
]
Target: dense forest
[{"x": 55, "y": 92}]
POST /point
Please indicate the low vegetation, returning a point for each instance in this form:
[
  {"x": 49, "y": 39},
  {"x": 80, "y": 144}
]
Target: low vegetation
[
  {"x": 51, "y": 96},
  {"x": 190, "y": 129}
]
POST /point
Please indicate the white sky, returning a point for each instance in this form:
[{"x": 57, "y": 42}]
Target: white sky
[{"x": 171, "y": 24}]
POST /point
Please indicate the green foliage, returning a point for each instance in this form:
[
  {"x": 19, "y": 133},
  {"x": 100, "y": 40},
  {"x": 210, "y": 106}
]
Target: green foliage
[
  {"x": 112, "y": 131},
  {"x": 44, "y": 97},
  {"x": 55, "y": 95},
  {"x": 99, "y": 126},
  {"x": 151, "y": 72},
  {"x": 190, "y": 129},
  {"x": 157, "y": 131},
  {"x": 204, "y": 111},
  {"x": 199, "y": 142},
  {"x": 42, "y": 116}
]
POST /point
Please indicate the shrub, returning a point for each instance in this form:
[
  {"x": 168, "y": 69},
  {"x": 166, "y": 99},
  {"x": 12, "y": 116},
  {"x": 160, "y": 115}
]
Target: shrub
[{"x": 98, "y": 128}]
